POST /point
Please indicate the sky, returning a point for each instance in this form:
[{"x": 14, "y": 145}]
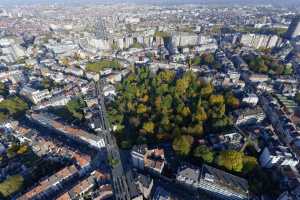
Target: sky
[{"x": 275, "y": 2}]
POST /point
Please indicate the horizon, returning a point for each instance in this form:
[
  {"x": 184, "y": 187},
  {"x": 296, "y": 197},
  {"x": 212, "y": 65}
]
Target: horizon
[{"x": 287, "y": 3}]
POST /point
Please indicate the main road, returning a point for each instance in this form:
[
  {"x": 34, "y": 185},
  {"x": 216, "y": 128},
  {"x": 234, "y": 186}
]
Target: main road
[{"x": 119, "y": 182}]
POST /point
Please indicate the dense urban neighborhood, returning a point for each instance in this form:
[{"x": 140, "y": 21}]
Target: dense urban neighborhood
[{"x": 149, "y": 101}]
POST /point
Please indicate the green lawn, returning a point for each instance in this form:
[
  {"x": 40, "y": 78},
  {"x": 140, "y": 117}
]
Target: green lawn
[{"x": 100, "y": 65}]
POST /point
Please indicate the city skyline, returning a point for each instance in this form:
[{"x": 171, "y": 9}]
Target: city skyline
[
  {"x": 289, "y": 3},
  {"x": 128, "y": 100}
]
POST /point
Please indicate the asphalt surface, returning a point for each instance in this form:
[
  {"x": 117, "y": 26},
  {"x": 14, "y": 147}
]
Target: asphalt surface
[{"x": 119, "y": 182}]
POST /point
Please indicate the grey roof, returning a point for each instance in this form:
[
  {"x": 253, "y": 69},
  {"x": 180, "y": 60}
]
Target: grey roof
[
  {"x": 140, "y": 149},
  {"x": 191, "y": 173},
  {"x": 225, "y": 179},
  {"x": 133, "y": 188},
  {"x": 144, "y": 180}
]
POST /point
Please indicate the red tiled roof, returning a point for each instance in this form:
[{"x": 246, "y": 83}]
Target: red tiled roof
[
  {"x": 45, "y": 184},
  {"x": 64, "y": 196}
]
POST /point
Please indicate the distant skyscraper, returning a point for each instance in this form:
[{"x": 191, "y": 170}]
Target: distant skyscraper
[{"x": 294, "y": 28}]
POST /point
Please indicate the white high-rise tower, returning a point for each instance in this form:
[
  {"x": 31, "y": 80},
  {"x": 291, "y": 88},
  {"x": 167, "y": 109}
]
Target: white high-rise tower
[{"x": 294, "y": 28}]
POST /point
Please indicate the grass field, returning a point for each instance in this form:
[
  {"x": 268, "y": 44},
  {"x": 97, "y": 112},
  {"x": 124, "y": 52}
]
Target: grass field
[{"x": 102, "y": 64}]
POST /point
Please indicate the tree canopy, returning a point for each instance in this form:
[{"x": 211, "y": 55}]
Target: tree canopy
[
  {"x": 182, "y": 145},
  {"x": 3, "y": 91},
  {"x": 75, "y": 107},
  {"x": 236, "y": 161},
  {"x": 266, "y": 64},
  {"x": 12, "y": 107},
  {"x": 204, "y": 59},
  {"x": 231, "y": 160},
  {"x": 204, "y": 153},
  {"x": 297, "y": 97},
  {"x": 166, "y": 106},
  {"x": 11, "y": 185}
]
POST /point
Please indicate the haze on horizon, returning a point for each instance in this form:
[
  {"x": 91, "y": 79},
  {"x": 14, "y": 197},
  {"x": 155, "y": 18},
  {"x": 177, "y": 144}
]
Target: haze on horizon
[{"x": 288, "y": 3}]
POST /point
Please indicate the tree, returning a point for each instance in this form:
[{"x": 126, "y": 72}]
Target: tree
[
  {"x": 208, "y": 59},
  {"x": 198, "y": 130},
  {"x": 263, "y": 68},
  {"x": 12, "y": 107},
  {"x": 144, "y": 99},
  {"x": 288, "y": 70},
  {"x": 148, "y": 127},
  {"x": 165, "y": 107},
  {"x": 165, "y": 120},
  {"x": 157, "y": 103},
  {"x": 232, "y": 101},
  {"x": 249, "y": 164},
  {"x": 166, "y": 76},
  {"x": 181, "y": 86},
  {"x": 114, "y": 46},
  {"x": 220, "y": 123},
  {"x": 231, "y": 160},
  {"x": 182, "y": 145},
  {"x": 200, "y": 114},
  {"x": 75, "y": 107},
  {"x": 204, "y": 153},
  {"x": 197, "y": 60},
  {"x": 126, "y": 144},
  {"x": 297, "y": 97},
  {"x": 216, "y": 99},
  {"x": 3, "y": 91},
  {"x": 23, "y": 148},
  {"x": 112, "y": 161},
  {"x": 166, "y": 102},
  {"x": 65, "y": 61},
  {"x": 11, "y": 185},
  {"x": 185, "y": 111},
  {"x": 207, "y": 90},
  {"x": 141, "y": 109}
]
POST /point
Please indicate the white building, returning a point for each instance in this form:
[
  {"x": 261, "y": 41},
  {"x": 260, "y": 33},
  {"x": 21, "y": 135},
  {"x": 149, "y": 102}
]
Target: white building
[
  {"x": 35, "y": 96},
  {"x": 260, "y": 41},
  {"x": 54, "y": 102},
  {"x": 132, "y": 20},
  {"x": 257, "y": 78},
  {"x": 74, "y": 70},
  {"x": 213, "y": 181},
  {"x": 249, "y": 116},
  {"x": 152, "y": 160},
  {"x": 294, "y": 28},
  {"x": 109, "y": 90},
  {"x": 278, "y": 156},
  {"x": 251, "y": 99}
]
